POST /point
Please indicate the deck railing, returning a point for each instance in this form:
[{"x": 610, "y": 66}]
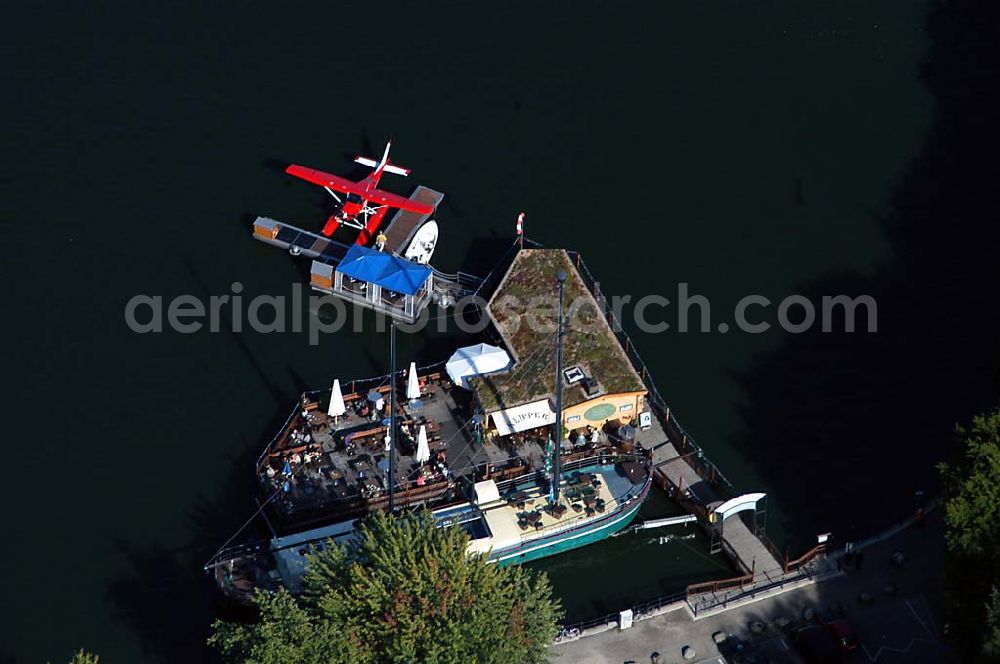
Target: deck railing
[
  {"x": 676, "y": 434},
  {"x": 719, "y": 585},
  {"x": 639, "y": 611},
  {"x": 807, "y": 557},
  {"x": 353, "y": 386}
]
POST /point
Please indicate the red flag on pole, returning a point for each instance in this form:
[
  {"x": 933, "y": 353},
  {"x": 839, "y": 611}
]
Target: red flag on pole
[{"x": 520, "y": 224}]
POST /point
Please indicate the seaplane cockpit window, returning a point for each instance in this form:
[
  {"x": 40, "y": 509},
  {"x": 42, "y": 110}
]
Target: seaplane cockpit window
[{"x": 353, "y": 198}]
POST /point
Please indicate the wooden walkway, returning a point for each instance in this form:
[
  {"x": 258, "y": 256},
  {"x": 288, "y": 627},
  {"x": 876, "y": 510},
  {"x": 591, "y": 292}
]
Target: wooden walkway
[
  {"x": 672, "y": 470},
  {"x": 298, "y": 241},
  {"x": 404, "y": 224}
]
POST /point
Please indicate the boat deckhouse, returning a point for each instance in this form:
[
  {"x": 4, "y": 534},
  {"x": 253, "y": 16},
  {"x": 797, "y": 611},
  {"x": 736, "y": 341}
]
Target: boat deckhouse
[
  {"x": 379, "y": 280},
  {"x": 601, "y": 389}
]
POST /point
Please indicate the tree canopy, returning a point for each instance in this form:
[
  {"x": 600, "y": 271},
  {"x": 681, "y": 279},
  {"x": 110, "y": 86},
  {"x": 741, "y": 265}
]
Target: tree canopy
[
  {"x": 403, "y": 591},
  {"x": 972, "y": 516},
  {"x": 972, "y": 489}
]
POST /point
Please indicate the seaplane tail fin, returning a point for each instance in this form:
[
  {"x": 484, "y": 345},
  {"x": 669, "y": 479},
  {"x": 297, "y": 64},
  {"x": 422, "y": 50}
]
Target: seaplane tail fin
[
  {"x": 383, "y": 164},
  {"x": 389, "y": 168}
]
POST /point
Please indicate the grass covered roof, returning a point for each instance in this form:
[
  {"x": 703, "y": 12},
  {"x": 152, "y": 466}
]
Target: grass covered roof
[{"x": 524, "y": 310}]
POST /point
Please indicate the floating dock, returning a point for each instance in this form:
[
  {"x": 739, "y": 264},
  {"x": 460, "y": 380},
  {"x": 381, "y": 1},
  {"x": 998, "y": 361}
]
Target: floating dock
[
  {"x": 327, "y": 254},
  {"x": 404, "y": 224},
  {"x": 299, "y": 242}
]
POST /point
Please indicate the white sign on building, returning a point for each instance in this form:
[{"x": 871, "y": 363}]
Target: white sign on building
[{"x": 523, "y": 418}]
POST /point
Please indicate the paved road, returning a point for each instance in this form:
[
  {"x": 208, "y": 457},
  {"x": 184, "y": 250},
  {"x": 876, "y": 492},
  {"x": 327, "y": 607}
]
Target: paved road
[{"x": 894, "y": 628}]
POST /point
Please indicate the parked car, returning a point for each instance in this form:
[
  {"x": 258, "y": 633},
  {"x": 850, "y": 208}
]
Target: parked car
[
  {"x": 816, "y": 645},
  {"x": 737, "y": 651},
  {"x": 843, "y": 633}
]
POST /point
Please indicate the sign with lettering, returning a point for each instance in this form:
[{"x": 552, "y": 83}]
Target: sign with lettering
[{"x": 524, "y": 418}]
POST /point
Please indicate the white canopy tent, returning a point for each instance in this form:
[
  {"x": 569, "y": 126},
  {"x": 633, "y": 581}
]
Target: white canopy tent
[
  {"x": 413, "y": 383},
  {"x": 337, "y": 407},
  {"x": 476, "y": 361}
]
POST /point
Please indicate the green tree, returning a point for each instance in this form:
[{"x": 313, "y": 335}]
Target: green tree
[
  {"x": 404, "y": 591},
  {"x": 972, "y": 517},
  {"x": 84, "y": 657},
  {"x": 972, "y": 489},
  {"x": 991, "y": 646}
]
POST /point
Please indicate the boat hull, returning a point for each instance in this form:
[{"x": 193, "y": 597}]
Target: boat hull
[{"x": 575, "y": 538}]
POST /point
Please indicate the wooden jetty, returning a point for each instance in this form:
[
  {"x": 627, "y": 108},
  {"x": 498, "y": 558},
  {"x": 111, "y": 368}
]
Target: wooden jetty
[
  {"x": 678, "y": 474},
  {"x": 404, "y": 224},
  {"x": 297, "y": 241}
]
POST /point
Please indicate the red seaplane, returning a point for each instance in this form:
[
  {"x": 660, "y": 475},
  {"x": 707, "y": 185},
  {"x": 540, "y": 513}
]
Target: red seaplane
[{"x": 357, "y": 209}]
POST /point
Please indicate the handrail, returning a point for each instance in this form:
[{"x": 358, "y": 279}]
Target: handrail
[
  {"x": 639, "y": 611},
  {"x": 680, "y": 438},
  {"x": 808, "y": 556},
  {"x": 719, "y": 584}
]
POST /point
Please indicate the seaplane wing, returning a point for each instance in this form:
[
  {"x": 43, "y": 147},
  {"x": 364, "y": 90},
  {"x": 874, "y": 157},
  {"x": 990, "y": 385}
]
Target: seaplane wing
[
  {"x": 323, "y": 179},
  {"x": 395, "y": 201}
]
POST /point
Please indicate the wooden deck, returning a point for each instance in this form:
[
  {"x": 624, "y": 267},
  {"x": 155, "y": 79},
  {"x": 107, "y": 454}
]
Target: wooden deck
[
  {"x": 404, "y": 224},
  {"x": 299, "y": 241}
]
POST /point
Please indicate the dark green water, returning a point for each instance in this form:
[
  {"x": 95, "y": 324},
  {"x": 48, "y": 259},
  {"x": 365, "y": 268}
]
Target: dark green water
[{"x": 741, "y": 147}]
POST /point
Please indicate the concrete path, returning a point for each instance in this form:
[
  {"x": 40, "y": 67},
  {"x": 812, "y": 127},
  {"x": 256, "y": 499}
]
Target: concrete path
[{"x": 896, "y": 626}]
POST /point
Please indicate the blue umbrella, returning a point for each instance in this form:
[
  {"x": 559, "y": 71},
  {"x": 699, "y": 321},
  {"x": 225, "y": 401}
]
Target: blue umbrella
[{"x": 287, "y": 470}]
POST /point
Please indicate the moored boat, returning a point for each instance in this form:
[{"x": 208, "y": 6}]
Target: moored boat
[
  {"x": 421, "y": 247},
  {"x": 484, "y": 448}
]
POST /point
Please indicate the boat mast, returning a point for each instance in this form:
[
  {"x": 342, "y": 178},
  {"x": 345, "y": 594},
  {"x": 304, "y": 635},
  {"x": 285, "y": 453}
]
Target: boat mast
[
  {"x": 392, "y": 412},
  {"x": 557, "y": 462}
]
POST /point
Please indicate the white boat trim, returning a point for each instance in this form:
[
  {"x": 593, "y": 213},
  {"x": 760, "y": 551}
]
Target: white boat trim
[{"x": 625, "y": 514}]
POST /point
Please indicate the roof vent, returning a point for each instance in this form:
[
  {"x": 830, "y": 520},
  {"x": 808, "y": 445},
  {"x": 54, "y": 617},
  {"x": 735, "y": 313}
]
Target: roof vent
[{"x": 574, "y": 375}]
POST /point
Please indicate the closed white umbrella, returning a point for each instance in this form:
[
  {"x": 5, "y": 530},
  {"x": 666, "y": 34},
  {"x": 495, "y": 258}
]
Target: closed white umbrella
[
  {"x": 423, "y": 449},
  {"x": 412, "y": 384},
  {"x": 337, "y": 407}
]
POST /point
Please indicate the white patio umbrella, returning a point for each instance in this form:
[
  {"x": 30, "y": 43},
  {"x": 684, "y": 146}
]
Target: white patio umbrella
[
  {"x": 412, "y": 384},
  {"x": 423, "y": 449},
  {"x": 337, "y": 407}
]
